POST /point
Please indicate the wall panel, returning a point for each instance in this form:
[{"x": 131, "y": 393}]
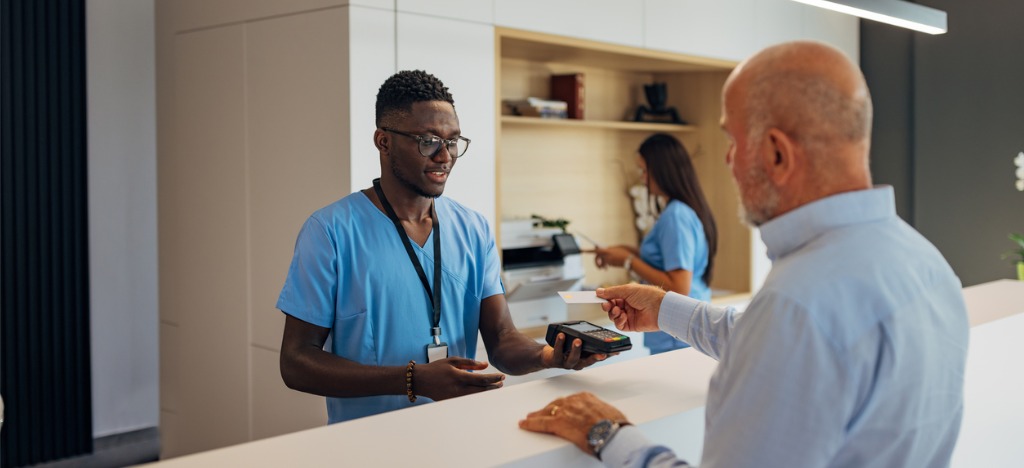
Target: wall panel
[
  {"x": 204, "y": 240},
  {"x": 295, "y": 140},
  {"x": 466, "y": 67},
  {"x": 721, "y": 29},
  {"x": 600, "y": 20},
  {"x": 371, "y": 58},
  {"x": 122, "y": 215},
  {"x": 278, "y": 409}
]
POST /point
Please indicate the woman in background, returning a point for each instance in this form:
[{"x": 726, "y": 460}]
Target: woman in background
[{"x": 678, "y": 253}]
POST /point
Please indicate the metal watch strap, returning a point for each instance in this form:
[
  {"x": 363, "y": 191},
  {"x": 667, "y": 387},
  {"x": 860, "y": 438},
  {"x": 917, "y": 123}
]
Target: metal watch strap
[{"x": 599, "y": 444}]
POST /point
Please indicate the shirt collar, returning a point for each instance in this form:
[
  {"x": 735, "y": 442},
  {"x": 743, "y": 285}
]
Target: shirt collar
[{"x": 786, "y": 233}]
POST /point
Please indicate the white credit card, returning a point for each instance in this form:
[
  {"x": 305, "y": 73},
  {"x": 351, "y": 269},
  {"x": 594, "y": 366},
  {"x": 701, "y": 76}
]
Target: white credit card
[{"x": 581, "y": 297}]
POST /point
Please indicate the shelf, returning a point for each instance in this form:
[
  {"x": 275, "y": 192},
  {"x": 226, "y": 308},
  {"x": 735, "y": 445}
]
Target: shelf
[
  {"x": 541, "y": 47},
  {"x": 606, "y": 124},
  {"x": 560, "y": 166}
]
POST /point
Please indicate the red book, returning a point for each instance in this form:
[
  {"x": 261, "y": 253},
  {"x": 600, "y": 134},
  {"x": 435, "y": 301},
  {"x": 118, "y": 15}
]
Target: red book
[{"x": 569, "y": 88}]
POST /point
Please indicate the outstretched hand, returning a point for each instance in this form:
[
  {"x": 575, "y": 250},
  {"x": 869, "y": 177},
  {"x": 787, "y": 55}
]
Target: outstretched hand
[
  {"x": 632, "y": 307},
  {"x": 611, "y": 256},
  {"x": 448, "y": 378}
]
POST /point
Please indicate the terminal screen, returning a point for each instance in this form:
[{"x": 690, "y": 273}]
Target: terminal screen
[{"x": 585, "y": 327}]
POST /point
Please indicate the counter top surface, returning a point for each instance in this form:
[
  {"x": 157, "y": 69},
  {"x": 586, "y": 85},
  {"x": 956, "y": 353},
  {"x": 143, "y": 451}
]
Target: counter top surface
[
  {"x": 482, "y": 429},
  {"x": 993, "y": 396},
  {"x": 994, "y": 300},
  {"x": 664, "y": 395}
]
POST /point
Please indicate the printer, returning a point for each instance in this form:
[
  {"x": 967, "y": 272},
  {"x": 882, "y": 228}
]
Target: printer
[{"x": 536, "y": 264}]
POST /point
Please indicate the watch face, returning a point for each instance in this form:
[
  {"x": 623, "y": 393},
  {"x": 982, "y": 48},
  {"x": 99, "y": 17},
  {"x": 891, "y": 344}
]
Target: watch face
[{"x": 599, "y": 433}]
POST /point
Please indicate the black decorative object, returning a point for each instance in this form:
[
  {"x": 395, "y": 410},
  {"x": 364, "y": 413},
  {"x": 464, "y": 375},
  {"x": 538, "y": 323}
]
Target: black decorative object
[{"x": 657, "y": 95}]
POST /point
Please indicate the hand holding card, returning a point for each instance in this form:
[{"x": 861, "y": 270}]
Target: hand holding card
[{"x": 581, "y": 297}]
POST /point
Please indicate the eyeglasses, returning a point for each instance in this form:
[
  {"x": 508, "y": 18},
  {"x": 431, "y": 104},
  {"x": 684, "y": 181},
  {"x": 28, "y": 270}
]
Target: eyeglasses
[{"x": 430, "y": 145}]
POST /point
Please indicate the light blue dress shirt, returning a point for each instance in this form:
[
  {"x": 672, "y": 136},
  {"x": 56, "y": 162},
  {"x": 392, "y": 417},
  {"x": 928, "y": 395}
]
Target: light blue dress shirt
[
  {"x": 351, "y": 273},
  {"x": 851, "y": 355},
  {"x": 676, "y": 242}
]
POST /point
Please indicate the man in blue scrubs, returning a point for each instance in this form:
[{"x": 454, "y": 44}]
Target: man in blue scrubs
[
  {"x": 402, "y": 279},
  {"x": 852, "y": 354}
]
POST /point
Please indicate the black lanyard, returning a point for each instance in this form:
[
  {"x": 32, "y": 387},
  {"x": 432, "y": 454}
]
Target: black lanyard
[{"x": 435, "y": 296}]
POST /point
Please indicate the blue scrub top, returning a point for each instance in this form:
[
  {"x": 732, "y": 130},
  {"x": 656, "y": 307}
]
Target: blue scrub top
[
  {"x": 676, "y": 242},
  {"x": 351, "y": 273}
]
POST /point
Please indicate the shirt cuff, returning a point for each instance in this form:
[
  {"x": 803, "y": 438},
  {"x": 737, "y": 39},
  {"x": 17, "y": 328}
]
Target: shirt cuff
[
  {"x": 628, "y": 440},
  {"x": 676, "y": 313}
]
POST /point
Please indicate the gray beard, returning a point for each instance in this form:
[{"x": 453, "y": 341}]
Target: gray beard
[
  {"x": 750, "y": 219},
  {"x": 766, "y": 202}
]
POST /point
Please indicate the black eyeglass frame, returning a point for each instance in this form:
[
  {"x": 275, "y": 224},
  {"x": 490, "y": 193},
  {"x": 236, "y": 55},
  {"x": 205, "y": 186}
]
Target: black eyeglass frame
[{"x": 434, "y": 139}]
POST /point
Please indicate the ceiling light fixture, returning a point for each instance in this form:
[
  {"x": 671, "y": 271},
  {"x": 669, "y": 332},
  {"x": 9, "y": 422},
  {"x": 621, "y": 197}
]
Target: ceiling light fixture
[{"x": 895, "y": 12}]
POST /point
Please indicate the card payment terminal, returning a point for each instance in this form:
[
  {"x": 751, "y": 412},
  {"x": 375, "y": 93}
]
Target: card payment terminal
[{"x": 595, "y": 339}]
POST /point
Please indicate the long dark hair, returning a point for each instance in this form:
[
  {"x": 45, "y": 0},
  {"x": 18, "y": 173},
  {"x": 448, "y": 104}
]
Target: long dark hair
[{"x": 669, "y": 164}]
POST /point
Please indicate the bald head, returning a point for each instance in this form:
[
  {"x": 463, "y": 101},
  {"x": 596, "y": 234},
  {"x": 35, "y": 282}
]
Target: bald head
[
  {"x": 806, "y": 107},
  {"x": 810, "y": 91}
]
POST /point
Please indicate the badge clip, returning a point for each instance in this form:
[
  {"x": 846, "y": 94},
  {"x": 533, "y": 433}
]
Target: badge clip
[{"x": 438, "y": 349}]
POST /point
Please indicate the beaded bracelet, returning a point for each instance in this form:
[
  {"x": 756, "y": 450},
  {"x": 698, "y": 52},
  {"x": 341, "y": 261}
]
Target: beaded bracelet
[{"x": 408, "y": 381}]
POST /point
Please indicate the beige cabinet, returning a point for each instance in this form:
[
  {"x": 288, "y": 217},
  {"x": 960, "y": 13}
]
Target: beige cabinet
[{"x": 254, "y": 134}]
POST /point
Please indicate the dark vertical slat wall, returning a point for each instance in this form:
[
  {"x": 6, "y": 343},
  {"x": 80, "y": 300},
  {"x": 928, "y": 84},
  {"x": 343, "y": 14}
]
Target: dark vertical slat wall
[{"x": 44, "y": 322}]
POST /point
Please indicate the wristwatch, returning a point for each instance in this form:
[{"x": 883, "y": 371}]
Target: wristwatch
[
  {"x": 628, "y": 264},
  {"x": 601, "y": 433}
]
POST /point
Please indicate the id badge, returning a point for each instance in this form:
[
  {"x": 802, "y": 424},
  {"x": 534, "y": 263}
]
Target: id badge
[{"x": 437, "y": 352}]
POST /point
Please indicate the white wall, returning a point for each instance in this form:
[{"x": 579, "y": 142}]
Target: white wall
[
  {"x": 461, "y": 54},
  {"x": 122, "y": 214},
  {"x": 371, "y": 49},
  {"x": 451, "y": 39}
]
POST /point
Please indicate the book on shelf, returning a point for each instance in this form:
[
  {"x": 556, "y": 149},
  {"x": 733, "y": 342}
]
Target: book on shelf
[
  {"x": 537, "y": 107},
  {"x": 569, "y": 88}
]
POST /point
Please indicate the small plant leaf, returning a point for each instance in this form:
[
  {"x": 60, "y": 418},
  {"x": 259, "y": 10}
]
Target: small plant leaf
[{"x": 1017, "y": 254}]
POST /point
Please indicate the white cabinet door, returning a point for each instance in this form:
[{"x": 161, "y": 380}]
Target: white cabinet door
[
  {"x": 371, "y": 47},
  {"x": 736, "y": 29},
  {"x": 837, "y": 29},
  {"x": 379, "y": 4},
  {"x": 776, "y": 21},
  {"x": 708, "y": 28},
  {"x": 469, "y": 10},
  {"x": 461, "y": 54},
  {"x": 615, "y": 21}
]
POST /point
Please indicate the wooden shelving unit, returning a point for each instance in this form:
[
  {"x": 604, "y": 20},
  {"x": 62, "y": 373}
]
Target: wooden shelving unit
[
  {"x": 582, "y": 169},
  {"x": 599, "y": 124}
]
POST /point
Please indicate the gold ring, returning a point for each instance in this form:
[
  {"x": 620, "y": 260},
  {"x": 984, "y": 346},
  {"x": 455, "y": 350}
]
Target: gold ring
[{"x": 554, "y": 410}]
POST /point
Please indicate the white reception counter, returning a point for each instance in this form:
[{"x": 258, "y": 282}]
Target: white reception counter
[{"x": 664, "y": 395}]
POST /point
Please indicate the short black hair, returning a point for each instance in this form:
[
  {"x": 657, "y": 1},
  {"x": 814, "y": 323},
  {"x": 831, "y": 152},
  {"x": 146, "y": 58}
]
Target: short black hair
[{"x": 406, "y": 87}]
